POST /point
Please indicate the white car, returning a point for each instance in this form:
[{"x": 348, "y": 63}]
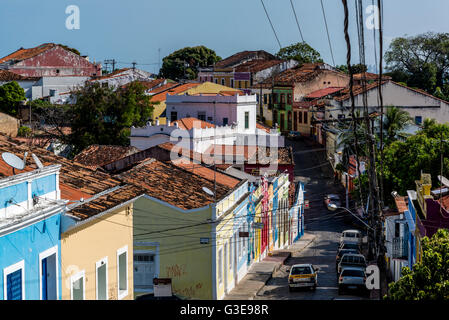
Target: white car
[
  {"x": 332, "y": 202},
  {"x": 302, "y": 276},
  {"x": 351, "y": 278},
  {"x": 351, "y": 260},
  {"x": 351, "y": 236}
]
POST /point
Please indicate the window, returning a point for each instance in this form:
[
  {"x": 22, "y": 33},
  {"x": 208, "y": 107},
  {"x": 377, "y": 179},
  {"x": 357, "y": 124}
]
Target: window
[
  {"x": 305, "y": 117},
  {"x": 232, "y": 83},
  {"x": 300, "y": 117},
  {"x": 173, "y": 116},
  {"x": 202, "y": 115},
  {"x": 102, "y": 279},
  {"x": 265, "y": 98},
  {"x": 122, "y": 272},
  {"x": 282, "y": 97},
  {"x": 14, "y": 281},
  {"x": 246, "y": 120},
  {"x": 418, "y": 120},
  {"x": 225, "y": 121},
  {"x": 216, "y": 81},
  {"x": 257, "y": 97},
  {"x": 77, "y": 286},
  {"x": 275, "y": 98},
  {"x": 220, "y": 266},
  {"x": 289, "y": 98},
  {"x": 210, "y": 119},
  {"x": 222, "y": 81}
]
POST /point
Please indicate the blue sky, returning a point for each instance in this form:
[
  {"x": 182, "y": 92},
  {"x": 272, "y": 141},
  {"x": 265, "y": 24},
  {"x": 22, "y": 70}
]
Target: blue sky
[{"x": 134, "y": 30}]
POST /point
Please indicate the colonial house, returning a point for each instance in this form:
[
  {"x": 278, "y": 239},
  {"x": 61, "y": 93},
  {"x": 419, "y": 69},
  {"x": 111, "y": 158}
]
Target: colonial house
[{"x": 49, "y": 60}]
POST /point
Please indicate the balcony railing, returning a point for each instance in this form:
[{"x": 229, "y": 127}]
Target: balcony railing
[{"x": 400, "y": 248}]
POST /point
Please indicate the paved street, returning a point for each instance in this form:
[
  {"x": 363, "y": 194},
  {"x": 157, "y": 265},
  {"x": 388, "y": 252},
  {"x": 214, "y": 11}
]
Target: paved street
[{"x": 325, "y": 225}]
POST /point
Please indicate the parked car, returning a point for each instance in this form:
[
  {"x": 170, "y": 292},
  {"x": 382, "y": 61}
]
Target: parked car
[
  {"x": 351, "y": 260},
  {"x": 349, "y": 245},
  {"x": 302, "y": 275},
  {"x": 332, "y": 202},
  {"x": 351, "y": 278},
  {"x": 341, "y": 252},
  {"x": 294, "y": 135},
  {"x": 350, "y": 236}
]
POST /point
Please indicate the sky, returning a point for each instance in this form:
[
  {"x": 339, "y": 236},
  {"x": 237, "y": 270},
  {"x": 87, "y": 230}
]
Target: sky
[{"x": 144, "y": 30}]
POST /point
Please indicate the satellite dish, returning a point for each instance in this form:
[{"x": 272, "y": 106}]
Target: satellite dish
[
  {"x": 14, "y": 161},
  {"x": 208, "y": 191},
  {"x": 37, "y": 161}
]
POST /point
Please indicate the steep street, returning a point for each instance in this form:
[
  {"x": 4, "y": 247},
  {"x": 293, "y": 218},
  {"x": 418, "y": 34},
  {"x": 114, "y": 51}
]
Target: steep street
[{"x": 312, "y": 168}]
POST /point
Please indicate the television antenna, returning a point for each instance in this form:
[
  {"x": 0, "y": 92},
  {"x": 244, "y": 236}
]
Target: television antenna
[{"x": 14, "y": 161}]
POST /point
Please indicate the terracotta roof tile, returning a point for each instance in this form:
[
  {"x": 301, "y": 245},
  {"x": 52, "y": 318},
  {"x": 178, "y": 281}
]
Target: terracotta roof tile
[
  {"x": 257, "y": 65},
  {"x": 239, "y": 56},
  {"x": 172, "y": 184},
  {"x": 401, "y": 204},
  {"x": 22, "y": 54},
  {"x": 6, "y": 75},
  {"x": 161, "y": 93},
  {"x": 323, "y": 92},
  {"x": 96, "y": 155},
  {"x": 190, "y": 123}
]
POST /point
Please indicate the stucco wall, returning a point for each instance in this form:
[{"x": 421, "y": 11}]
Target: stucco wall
[
  {"x": 324, "y": 80},
  {"x": 181, "y": 256},
  {"x": 82, "y": 247},
  {"x": 9, "y": 125}
]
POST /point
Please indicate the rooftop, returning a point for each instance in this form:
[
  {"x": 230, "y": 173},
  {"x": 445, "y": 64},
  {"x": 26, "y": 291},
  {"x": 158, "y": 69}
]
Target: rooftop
[
  {"x": 96, "y": 155},
  {"x": 190, "y": 123},
  {"x": 6, "y": 75},
  {"x": 22, "y": 54},
  {"x": 172, "y": 184},
  {"x": 323, "y": 92},
  {"x": 239, "y": 56},
  {"x": 301, "y": 73},
  {"x": 401, "y": 204},
  {"x": 257, "y": 65}
]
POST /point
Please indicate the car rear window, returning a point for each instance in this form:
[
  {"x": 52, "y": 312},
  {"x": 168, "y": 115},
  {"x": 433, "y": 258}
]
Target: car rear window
[
  {"x": 353, "y": 259},
  {"x": 349, "y": 235},
  {"x": 353, "y": 273},
  {"x": 350, "y": 246},
  {"x": 301, "y": 270}
]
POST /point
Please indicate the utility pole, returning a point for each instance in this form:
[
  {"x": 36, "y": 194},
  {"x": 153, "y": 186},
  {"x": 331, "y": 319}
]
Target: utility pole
[
  {"x": 134, "y": 65},
  {"x": 110, "y": 61}
]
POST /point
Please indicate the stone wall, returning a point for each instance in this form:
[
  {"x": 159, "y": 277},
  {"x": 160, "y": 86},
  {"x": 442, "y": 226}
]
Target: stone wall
[{"x": 9, "y": 125}]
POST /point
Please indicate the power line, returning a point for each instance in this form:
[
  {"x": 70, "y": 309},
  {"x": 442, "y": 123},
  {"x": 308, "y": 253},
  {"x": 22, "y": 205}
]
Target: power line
[
  {"x": 269, "y": 20},
  {"x": 296, "y": 18},
  {"x": 327, "y": 31}
]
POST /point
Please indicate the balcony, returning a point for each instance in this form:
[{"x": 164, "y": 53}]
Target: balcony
[{"x": 400, "y": 248}]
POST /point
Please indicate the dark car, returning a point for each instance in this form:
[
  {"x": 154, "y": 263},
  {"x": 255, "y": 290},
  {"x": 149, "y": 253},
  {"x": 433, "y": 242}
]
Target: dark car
[
  {"x": 349, "y": 245},
  {"x": 294, "y": 135},
  {"x": 340, "y": 254},
  {"x": 332, "y": 202}
]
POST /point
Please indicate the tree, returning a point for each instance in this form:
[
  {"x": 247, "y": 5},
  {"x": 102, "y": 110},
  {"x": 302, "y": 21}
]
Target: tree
[
  {"x": 75, "y": 51},
  {"x": 184, "y": 63},
  {"x": 357, "y": 68},
  {"x": 394, "y": 121},
  {"x": 102, "y": 115},
  {"x": 11, "y": 94},
  {"x": 301, "y": 52},
  {"x": 422, "y": 58},
  {"x": 429, "y": 279}
]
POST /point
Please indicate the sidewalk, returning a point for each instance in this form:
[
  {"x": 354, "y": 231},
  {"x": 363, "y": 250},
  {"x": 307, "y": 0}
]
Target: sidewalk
[{"x": 261, "y": 272}]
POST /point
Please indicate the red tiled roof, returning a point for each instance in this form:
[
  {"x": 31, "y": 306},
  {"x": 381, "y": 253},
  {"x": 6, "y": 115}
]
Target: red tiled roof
[
  {"x": 401, "y": 204},
  {"x": 96, "y": 155},
  {"x": 345, "y": 93},
  {"x": 370, "y": 76},
  {"x": 172, "y": 90},
  {"x": 148, "y": 84},
  {"x": 22, "y": 54},
  {"x": 323, "y": 92},
  {"x": 172, "y": 184},
  {"x": 207, "y": 173},
  {"x": 262, "y": 127},
  {"x": 190, "y": 123},
  {"x": 76, "y": 180},
  {"x": 114, "y": 74},
  {"x": 298, "y": 74},
  {"x": 6, "y": 75},
  {"x": 239, "y": 56},
  {"x": 257, "y": 65}
]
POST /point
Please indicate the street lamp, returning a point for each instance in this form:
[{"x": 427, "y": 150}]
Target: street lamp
[{"x": 333, "y": 206}]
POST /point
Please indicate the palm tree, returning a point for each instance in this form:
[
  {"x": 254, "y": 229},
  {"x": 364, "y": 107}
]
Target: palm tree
[{"x": 395, "y": 120}]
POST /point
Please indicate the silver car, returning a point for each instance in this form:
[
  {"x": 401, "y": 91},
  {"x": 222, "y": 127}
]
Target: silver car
[{"x": 351, "y": 278}]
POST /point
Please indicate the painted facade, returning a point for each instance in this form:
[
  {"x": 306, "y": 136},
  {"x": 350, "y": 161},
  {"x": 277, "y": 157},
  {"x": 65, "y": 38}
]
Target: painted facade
[
  {"x": 30, "y": 218},
  {"x": 98, "y": 248},
  {"x": 282, "y": 107}
]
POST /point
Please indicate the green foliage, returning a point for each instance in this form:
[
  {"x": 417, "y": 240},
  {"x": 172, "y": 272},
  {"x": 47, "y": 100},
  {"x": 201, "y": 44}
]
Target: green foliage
[
  {"x": 24, "y": 132},
  {"x": 104, "y": 116},
  {"x": 404, "y": 161},
  {"x": 11, "y": 94},
  {"x": 420, "y": 61},
  {"x": 395, "y": 120},
  {"x": 356, "y": 68},
  {"x": 340, "y": 167},
  {"x": 184, "y": 63},
  {"x": 364, "y": 182},
  {"x": 429, "y": 279},
  {"x": 301, "y": 52},
  {"x": 70, "y": 49},
  {"x": 439, "y": 93}
]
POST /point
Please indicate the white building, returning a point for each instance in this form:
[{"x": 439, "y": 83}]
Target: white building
[{"x": 124, "y": 76}]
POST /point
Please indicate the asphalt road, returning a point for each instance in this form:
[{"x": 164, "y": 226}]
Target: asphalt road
[{"x": 312, "y": 169}]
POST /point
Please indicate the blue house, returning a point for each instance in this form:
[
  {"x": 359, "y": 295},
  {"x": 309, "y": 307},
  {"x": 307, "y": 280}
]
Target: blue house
[{"x": 30, "y": 218}]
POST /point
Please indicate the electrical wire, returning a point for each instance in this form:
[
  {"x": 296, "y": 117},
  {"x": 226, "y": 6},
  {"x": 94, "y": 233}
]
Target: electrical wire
[
  {"x": 296, "y": 18},
  {"x": 269, "y": 20},
  {"x": 327, "y": 31}
]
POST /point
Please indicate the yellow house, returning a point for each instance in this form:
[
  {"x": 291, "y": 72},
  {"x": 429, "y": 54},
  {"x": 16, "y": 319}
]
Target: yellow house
[
  {"x": 182, "y": 231},
  {"x": 97, "y": 246}
]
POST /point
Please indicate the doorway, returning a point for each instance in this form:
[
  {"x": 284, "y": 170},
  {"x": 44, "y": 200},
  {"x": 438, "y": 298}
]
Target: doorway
[
  {"x": 49, "y": 274},
  {"x": 144, "y": 270}
]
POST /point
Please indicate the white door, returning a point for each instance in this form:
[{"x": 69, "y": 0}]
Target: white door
[{"x": 144, "y": 270}]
